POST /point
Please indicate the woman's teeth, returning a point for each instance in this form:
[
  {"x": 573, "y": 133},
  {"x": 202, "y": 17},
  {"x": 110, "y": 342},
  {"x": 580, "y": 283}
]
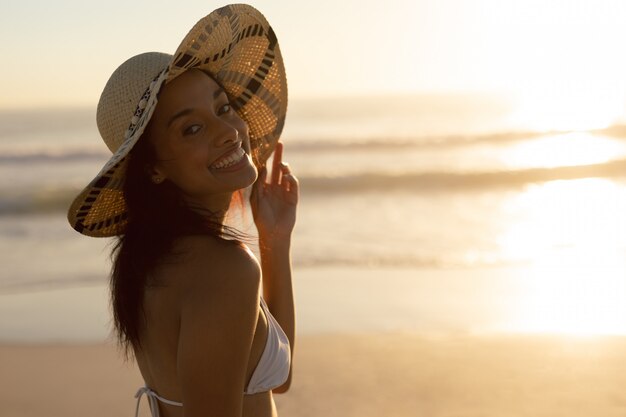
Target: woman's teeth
[{"x": 230, "y": 159}]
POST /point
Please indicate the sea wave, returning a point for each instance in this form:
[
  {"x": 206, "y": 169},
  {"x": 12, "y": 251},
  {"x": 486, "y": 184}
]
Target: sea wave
[
  {"x": 331, "y": 258},
  {"x": 442, "y": 142},
  {"x": 617, "y": 131},
  {"x": 36, "y": 285},
  {"x": 60, "y": 156},
  {"x": 45, "y": 200},
  {"x": 411, "y": 142},
  {"x": 17, "y": 155},
  {"x": 457, "y": 181},
  {"x": 36, "y": 201}
]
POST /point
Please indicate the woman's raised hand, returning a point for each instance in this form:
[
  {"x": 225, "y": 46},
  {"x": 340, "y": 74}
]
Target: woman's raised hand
[{"x": 274, "y": 203}]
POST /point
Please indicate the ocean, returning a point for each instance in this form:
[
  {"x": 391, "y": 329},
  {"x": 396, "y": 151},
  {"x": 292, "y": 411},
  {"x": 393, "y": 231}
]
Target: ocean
[{"x": 419, "y": 183}]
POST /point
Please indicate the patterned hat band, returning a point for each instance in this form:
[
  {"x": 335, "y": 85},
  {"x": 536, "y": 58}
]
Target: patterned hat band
[
  {"x": 149, "y": 96},
  {"x": 238, "y": 48}
]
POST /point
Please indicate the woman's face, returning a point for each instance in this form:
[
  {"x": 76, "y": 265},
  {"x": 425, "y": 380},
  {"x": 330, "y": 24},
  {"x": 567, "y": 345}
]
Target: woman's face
[{"x": 201, "y": 143}]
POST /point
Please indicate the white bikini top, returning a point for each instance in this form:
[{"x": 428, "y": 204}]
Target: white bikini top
[{"x": 272, "y": 370}]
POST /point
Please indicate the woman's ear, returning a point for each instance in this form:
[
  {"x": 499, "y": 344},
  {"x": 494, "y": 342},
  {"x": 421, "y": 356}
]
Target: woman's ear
[{"x": 155, "y": 174}]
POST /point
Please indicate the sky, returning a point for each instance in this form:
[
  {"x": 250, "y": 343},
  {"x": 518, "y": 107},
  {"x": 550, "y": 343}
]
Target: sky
[{"x": 558, "y": 56}]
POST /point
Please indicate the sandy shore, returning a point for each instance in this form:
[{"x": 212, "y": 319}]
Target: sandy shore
[
  {"x": 356, "y": 375},
  {"x": 417, "y": 301}
]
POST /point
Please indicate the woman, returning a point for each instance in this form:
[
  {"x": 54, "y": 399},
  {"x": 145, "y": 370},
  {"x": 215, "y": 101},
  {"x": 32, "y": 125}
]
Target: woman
[{"x": 186, "y": 292}]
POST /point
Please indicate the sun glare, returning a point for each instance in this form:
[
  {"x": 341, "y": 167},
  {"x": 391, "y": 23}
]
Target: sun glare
[
  {"x": 567, "y": 109},
  {"x": 576, "y": 291},
  {"x": 572, "y": 234},
  {"x": 564, "y": 69},
  {"x": 569, "y": 149}
]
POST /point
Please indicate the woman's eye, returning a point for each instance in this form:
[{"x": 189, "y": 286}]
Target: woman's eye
[
  {"x": 192, "y": 130},
  {"x": 225, "y": 108}
]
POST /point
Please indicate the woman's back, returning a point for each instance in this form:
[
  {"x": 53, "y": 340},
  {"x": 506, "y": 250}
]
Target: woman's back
[{"x": 204, "y": 269}]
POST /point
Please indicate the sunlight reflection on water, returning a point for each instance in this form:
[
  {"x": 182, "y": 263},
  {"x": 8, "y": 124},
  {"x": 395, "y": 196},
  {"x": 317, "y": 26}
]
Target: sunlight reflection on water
[{"x": 572, "y": 232}]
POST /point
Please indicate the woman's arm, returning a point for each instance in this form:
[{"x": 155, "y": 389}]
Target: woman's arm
[
  {"x": 278, "y": 291},
  {"x": 219, "y": 311},
  {"x": 274, "y": 209}
]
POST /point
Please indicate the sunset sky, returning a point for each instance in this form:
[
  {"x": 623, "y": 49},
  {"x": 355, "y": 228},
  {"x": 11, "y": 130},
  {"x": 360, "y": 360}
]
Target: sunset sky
[{"x": 562, "y": 59}]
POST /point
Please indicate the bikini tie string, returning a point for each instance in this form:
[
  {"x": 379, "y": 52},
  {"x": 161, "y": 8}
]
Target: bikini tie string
[{"x": 152, "y": 401}]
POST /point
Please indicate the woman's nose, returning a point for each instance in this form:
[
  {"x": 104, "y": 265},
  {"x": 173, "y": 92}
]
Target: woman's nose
[{"x": 224, "y": 134}]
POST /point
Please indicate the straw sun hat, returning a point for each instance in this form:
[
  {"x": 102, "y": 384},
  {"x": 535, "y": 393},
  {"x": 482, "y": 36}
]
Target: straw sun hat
[{"x": 236, "y": 45}]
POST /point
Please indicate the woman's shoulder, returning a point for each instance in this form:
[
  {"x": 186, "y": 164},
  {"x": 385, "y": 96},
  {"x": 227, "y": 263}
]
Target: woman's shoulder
[
  {"x": 212, "y": 263},
  {"x": 209, "y": 248}
]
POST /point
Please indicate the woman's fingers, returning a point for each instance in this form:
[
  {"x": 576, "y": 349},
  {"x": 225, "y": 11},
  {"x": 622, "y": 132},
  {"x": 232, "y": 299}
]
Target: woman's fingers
[
  {"x": 290, "y": 189},
  {"x": 276, "y": 164},
  {"x": 289, "y": 184},
  {"x": 285, "y": 169},
  {"x": 282, "y": 180}
]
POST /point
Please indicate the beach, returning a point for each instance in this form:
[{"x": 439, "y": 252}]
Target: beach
[
  {"x": 438, "y": 347},
  {"x": 392, "y": 374},
  {"x": 371, "y": 300}
]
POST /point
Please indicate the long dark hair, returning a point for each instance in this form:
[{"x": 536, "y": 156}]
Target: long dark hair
[{"x": 157, "y": 216}]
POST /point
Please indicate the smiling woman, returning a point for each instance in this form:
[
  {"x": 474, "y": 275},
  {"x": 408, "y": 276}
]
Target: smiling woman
[
  {"x": 188, "y": 132},
  {"x": 201, "y": 144}
]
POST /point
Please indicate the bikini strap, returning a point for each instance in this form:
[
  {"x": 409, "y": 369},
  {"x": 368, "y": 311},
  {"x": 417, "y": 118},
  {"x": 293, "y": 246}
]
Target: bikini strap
[{"x": 153, "y": 397}]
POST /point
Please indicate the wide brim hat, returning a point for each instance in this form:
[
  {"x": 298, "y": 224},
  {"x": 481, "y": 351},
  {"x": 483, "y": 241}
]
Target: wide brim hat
[{"x": 237, "y": 46}]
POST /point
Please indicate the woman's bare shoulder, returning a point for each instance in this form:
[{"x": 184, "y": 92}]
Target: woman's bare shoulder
[
  {"x": 205, "y": 262},
  {"x": 218, "y": 315}
]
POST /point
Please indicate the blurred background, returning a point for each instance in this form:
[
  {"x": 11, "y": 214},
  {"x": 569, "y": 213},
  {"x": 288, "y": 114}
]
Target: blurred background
[{"x": 461, "y": 241}]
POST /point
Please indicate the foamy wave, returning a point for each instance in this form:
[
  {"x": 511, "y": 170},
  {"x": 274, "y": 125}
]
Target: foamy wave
[
  {"x": 295, "y": 144},
  {"x": 26, "y": 286},
  {"x": 329, "y": 259},
  {"x": 617, "y": 131},
  {"x": 433, "y": 141},
  {"x": 453, "y": 181},
  {"x": 10, "y": 154},
  {"x": 24, "y": 202},
  {"x": 36, "y": 201},
  {"x": 410, "y": 142},
  {"x": 27, "y": 157}
]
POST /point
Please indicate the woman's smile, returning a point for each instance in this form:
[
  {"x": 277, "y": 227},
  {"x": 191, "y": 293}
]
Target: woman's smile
[{"x": 231, "y": 161}]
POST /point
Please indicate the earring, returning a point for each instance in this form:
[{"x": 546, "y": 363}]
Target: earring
[{"x": 157, "y": 180}]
